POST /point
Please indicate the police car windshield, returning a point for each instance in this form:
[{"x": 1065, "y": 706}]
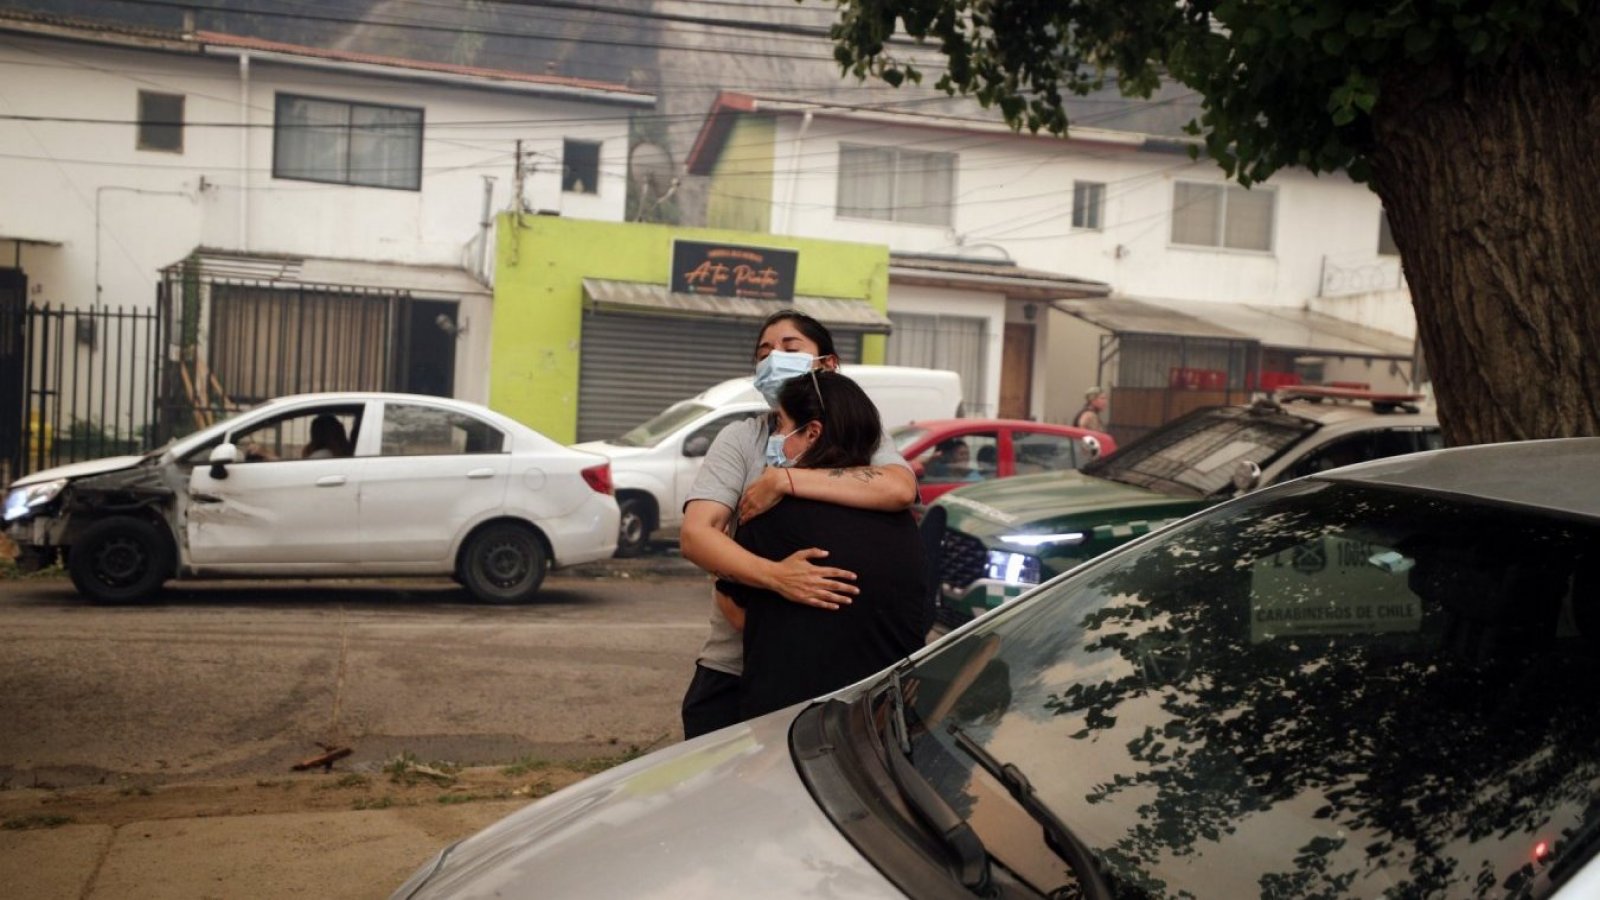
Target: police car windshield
[{"x": 1196, "y": 455}]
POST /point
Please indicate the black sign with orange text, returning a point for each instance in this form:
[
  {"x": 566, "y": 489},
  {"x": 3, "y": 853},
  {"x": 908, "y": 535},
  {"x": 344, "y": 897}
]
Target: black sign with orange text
[{"x": 731, "y": 270}]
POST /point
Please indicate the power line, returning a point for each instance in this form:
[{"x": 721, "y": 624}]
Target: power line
[{"x": 453, "y": 29}]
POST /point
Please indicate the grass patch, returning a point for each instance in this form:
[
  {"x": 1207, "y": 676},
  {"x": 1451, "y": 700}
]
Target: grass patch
[
  {"x": 452, "y": 799},
  {"x": 373, "y": 803},
  {"x": 524, "y": 765},
  {"x": 345, "y": 782},
  {"x": 407, "y": 769},
  {"x": 10, "y": 571},
  {"x": 135, "y": 790},
  {"x": 36, "y": 820},
  {"x": 598, "y": 764}
]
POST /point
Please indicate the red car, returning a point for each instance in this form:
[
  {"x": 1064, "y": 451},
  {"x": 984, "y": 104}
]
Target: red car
[{"x": 949, "y": 453}]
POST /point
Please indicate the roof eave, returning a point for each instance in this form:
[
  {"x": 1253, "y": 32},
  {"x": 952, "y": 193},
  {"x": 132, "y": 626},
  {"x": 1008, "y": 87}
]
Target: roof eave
[
  {"x": 479, "y": 82},
  {"x": 1012, "y": 287}
]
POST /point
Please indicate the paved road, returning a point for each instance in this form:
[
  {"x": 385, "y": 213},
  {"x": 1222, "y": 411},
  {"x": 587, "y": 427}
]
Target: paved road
[{"x": 246, "y": 679}]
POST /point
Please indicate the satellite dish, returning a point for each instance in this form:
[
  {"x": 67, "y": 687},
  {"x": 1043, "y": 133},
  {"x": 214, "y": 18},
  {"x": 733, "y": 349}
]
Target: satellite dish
[{"x": 650, "y": 174}]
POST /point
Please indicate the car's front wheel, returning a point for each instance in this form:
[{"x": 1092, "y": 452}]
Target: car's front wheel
[
  {"x": 121, "y": 559},
  {"x": 504, "y": 563}
]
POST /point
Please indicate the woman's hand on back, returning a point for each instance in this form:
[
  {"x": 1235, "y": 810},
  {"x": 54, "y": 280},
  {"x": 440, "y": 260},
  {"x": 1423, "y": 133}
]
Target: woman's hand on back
[
  {"x": 763, "y": 493},
  {"x": 797, "y": 579}
]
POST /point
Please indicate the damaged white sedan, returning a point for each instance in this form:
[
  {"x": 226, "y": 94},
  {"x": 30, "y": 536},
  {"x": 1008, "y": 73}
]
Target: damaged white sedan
[{"x": 342, "y": 485}]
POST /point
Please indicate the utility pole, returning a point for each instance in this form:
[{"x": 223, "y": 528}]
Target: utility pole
[{"x": 519, "y": 204}]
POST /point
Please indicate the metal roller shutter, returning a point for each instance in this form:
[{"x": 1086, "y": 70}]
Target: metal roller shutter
[{"x": 632, "y": 367}]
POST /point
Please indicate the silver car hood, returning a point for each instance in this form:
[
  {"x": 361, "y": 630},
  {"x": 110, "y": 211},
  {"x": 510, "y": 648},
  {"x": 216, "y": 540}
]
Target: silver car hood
[
  {"x": 722, "y": 816},
  {"x": 79, "y": 470}
]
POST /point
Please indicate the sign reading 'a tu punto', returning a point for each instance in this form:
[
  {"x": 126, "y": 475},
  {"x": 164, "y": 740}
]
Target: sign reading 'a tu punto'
[{"x": 731, "y": 270}]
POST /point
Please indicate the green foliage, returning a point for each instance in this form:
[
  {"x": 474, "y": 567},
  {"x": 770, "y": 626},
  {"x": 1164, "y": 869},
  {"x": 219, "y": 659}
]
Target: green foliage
[
  {"x": 1282, "y": 82},
  {"x": 35, "y": 820}
]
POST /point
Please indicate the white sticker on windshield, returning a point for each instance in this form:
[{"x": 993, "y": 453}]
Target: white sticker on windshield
[{"x": 1230, "y": 452}]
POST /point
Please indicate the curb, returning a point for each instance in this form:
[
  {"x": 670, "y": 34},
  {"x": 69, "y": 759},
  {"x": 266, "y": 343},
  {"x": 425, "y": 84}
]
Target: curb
[{"x": 660, "y": 562}]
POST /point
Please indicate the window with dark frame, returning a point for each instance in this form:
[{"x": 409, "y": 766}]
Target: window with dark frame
[
  {"x": 345, "y": 142},
  {"x": 580, "y": 167},
  {"x": 1386, "y": 245},
  {"x": 1088, "y": 205},
  {"x": 160, "y": 122}
]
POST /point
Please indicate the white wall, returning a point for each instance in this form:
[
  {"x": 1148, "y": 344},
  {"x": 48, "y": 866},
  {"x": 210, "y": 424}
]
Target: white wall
[
  {"x": 156, "y": 207},
  {"x": 1073, "y": 364},
  {"x": 1017, "y": 191}
]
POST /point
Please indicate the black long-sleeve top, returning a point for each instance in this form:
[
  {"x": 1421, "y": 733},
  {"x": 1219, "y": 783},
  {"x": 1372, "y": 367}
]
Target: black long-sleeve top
[{"x": 794, "y": 652}]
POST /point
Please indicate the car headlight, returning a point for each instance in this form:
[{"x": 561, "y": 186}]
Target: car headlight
[
  {"x": 1031, "y": 539},
  {"x": 1012, "y": 568},
  {"x": 23, "y": 500}
]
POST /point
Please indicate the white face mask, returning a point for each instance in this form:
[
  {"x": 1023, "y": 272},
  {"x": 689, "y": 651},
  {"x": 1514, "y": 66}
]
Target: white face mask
[{"x": 778, "y": 367}]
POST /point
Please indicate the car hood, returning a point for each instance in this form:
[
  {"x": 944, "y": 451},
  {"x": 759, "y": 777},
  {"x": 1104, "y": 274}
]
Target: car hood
[
  {"x": 722, "y": 816},
  {"x": 611, "y": 451},
  {"x": 79, "y": 470},
  {"x": 1042, "y": 501}
]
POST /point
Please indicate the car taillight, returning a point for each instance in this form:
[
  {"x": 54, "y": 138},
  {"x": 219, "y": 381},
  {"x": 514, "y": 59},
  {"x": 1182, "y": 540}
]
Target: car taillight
[{"x": 599, "y": 477}]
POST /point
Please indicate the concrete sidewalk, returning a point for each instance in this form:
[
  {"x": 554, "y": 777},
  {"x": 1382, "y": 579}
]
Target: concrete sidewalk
[{"x": 244, "y": 838}]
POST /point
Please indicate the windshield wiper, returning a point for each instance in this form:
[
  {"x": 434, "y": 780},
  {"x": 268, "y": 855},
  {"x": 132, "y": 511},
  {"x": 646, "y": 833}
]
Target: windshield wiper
[
  {"x": 1056, "y": 833},
  {"x": 971, "y": 857}
]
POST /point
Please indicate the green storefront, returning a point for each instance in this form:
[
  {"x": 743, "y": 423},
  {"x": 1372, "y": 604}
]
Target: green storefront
[{"x": 596, "y": 329}]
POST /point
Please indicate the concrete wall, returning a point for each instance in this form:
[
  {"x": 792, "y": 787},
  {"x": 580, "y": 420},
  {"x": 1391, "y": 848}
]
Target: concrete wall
[
  {"x": 1072, "y": 362},
  {"x": 539, "y": 299},
  {"x": 1016, "y": 192},
  {"x": 155, "y": 207},
  {"x": 740, "y": 197}
]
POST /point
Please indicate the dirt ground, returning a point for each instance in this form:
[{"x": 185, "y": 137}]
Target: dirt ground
[{"x": 338, "y": 834}]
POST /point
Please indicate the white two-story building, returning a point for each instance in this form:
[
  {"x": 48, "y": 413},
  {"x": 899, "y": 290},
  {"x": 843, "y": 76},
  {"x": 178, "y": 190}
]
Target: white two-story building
[
  {"x": 194, "y": 221},
  {"x": 999, "y": 239}
]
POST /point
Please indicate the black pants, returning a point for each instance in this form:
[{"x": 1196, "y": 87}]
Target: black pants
[{"x": 710, "y": 703}]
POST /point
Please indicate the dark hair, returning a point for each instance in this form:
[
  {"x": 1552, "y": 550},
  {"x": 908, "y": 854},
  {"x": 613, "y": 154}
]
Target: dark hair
[
  {"x": 327, "y": 433},
  {"x": 850, "y": 425},
  {"x": 816, "y": 332}
]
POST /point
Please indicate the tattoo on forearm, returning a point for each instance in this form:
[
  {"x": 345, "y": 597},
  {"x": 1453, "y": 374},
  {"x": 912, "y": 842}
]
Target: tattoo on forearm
[{"x": 862, "y": 474}]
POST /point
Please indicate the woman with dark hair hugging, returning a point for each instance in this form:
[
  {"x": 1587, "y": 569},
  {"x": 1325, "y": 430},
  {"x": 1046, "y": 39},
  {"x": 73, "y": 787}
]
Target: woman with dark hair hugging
[{"x": 794, "y": 652}]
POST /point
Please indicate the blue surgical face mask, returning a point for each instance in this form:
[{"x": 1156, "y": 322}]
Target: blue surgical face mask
[
  {"x": 775, "y": 454},
  {"x": 778, "y": 367}
]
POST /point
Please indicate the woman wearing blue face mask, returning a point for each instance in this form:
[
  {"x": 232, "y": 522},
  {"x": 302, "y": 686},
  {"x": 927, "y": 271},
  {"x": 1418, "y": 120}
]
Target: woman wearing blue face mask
[
  {"x": 736, "y": 478},
  {"x": 794, "y": 652}
]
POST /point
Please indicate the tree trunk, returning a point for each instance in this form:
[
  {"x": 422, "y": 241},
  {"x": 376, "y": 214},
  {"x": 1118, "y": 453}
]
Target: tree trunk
[{"x": 1492, "y": 187}]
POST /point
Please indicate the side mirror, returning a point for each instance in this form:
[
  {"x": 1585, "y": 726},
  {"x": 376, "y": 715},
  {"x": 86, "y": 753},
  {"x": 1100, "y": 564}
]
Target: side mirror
[
  {"x": 1246, "y": 477},
  {"x": 696, "y": 445},
  {"x": 1090, "y": 445},
  {"x": 222, "y": 456}
]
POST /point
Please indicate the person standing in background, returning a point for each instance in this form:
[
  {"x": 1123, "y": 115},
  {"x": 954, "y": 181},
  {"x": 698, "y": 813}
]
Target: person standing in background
[{"x": 1094, "y": 403}]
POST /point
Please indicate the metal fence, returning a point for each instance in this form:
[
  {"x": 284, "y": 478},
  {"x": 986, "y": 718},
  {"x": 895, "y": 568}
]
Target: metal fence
[
  {"x": 91, "y": 384},
  {"x": 238, "y": 340}
]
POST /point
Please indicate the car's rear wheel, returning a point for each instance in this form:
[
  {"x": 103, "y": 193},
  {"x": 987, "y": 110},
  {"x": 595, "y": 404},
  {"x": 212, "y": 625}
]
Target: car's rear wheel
[
  {"x": 504, "y": 563},
  {"x": 634, "y": 532},
  {"x": 121, "y": 559}
]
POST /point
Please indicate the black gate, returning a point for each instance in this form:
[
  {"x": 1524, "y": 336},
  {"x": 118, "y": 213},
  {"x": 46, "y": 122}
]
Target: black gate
[
  {"x": 86, "y": 385},
  {"x": 237, "y": 341},
  {"x": 13, "y": 351}
]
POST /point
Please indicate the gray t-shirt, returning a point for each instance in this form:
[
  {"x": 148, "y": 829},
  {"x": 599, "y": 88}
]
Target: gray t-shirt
[{"x": 736, "y": 459}]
